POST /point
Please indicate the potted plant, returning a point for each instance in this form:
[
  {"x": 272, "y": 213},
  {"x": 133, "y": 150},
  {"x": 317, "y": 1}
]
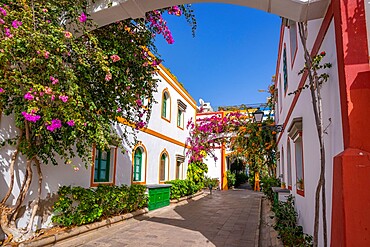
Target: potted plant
[
  {"x": 300, "y": 184},
  {"x": 211, "y": 183},
  {"x": 283, "y": 185}
]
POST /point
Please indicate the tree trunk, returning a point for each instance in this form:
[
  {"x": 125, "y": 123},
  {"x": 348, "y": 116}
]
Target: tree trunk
[
  {"x": 36, "y": 202},
  {"x": 317, "y": 109},
  {"x": 11, "y": 170}
]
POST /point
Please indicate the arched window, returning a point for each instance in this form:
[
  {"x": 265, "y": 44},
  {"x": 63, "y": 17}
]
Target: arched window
[
  {"x": 138, "y": 164},
  {"x": 166, "y": 105},
  {"x": 162, "y": 168}
]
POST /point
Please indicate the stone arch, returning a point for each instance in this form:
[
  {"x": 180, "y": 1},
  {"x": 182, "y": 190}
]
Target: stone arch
[{"x": 104, "y": 12}]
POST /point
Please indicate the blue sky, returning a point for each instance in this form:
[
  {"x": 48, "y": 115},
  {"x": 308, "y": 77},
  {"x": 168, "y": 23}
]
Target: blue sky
[{"x": 233, "y": 54}]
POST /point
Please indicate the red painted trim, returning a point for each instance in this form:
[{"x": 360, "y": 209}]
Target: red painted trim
[
  {"x": 319, "y": 39},
  {"x": 289, "y": 187},
  {"x": 282, "y": 28},
  {"x": 300, "y": 192}
]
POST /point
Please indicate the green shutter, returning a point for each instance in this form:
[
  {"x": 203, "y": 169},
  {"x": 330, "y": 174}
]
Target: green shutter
[
  {"x": 102, "y": 166},
  {"x": 179, "y": 113},
  {"x": 138, "y": 158},
  {"x": 164, "y": 107}
]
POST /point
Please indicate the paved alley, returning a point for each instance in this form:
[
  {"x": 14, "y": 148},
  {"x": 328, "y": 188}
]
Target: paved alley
[{"x": 226, "y": 218}]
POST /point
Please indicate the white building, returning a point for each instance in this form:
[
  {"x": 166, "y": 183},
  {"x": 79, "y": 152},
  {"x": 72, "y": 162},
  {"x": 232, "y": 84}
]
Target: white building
[
  {"x": 159, "y": 155},
  {"x": 342, "y": 34}
]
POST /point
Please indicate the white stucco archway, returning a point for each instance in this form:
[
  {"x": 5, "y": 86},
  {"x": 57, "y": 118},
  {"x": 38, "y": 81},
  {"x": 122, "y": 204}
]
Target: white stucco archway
[{"x": 104, "y": 12}]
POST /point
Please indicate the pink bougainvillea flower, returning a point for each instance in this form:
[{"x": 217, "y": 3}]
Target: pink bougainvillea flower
[
  {"x": 140, "y": 125},
  {"x": 31, "y": 117},
  {"x": 119, "y": 110},
  {"x": 3, "y": 11},
  {"x": 139, "y": 102},
  {"x": 67, "y": 34},
  {"x": 115, "y": 58},
  {"x": 42, "y": 94},
  {"x": 63, "y": 98},
  {"x": 2, "y": 90},
  {"x": 46, "y": 54},
  {"x": 16, "y": 23},
  {"x": 71, "y": 123},
  {"x": 48, "y": 90},
  {"x": 28, "y": 96},
  {"x": 7, "y": 32},
  {"x": 44, "y": 10},
  {"x": 53, "y": 97},
  {"x": 55, "y": 124},
  {"x": 175, "y": 10},
  {"x": 156, "y": 62},
  {"x": 54, "y": 80},
  {"x": 108, "y": 77},
  {"x": 82, "y": 17},
  {"x": 2, "y": 21}
]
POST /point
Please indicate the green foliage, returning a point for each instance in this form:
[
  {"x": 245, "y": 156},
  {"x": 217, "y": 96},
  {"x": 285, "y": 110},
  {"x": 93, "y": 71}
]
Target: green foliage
[
  {"x": 266, "y": 183},
  {"x": 211, "y": 182},
  {"x": 240, "y": 178},
  {"x": 231, "y": 179},
  {"x": 181, "y": 188},
  {"x": 196, "y": 171},
  {"x": 286, "y": 224},
  {"x": 79, "y": 206}
]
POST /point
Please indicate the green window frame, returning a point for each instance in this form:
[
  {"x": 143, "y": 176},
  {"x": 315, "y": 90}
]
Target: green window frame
[
  {"x": 164, "y": 105},
  {"x": 179, "y": 118},
  {"x": 102, "y": 166},
  {"x": 138, "y": 162}
]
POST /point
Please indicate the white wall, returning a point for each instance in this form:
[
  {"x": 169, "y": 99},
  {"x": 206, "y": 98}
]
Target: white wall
[{"x": 333, "y": 138}]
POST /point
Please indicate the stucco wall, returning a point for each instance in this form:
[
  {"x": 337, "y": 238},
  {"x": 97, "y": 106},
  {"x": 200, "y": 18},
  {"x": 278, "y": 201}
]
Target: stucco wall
[{"x": 303, "y": 108}]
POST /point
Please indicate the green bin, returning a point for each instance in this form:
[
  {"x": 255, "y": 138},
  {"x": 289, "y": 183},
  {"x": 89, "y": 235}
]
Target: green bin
[{"x": 159, "y": 195}]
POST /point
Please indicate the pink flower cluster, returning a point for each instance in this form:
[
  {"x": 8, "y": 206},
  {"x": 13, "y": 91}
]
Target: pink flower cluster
[
  {"x": 55, "y": 124},
  {"x": 160, "y": 25},
  {"x": 28, "y": 96},
  {"x": 31, "y": 117},
  {"x": 175, "y": 10},
  {"x": 16, "y": 23},
  {"x": 115, "y": 58},
  {"x": 63, "y": 98},
  {"x": 140, "y": 125},
  {"x": 2, "y": 90},
  {"x": 53, "y": 80},
  {"x": 71, "y": 123},
  {"x": 3, "y": 11},
  {"x": 82, "y": 17},
  {"x": 139, "y": 102}
]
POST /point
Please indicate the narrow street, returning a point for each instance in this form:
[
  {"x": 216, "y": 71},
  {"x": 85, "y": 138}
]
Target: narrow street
[{"x": 226, "y": 218}]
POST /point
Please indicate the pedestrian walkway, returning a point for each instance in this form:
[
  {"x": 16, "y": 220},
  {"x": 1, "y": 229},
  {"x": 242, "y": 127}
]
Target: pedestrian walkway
[
  {"x": 225, "y": 218},
  {"x": 268, "y": 235}
]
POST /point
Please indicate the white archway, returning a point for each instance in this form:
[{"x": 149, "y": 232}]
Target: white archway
[{"x": 104, "y": 12}]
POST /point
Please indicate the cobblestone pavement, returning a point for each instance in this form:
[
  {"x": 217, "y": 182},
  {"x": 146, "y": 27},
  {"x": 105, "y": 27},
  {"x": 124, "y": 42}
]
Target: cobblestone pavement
[{"x": 226, "y": 218}]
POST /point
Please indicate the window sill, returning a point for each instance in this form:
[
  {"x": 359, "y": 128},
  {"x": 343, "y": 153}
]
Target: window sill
[
  {"x": 96, "y": 184},
  {"x": 300, "y": 192},
  {"x": 168, "y": 120},
  {"x": 138, "y": 182}
]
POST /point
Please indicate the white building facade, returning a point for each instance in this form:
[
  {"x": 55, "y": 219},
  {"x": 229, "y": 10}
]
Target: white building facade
[{"x": 159, "y": 155}]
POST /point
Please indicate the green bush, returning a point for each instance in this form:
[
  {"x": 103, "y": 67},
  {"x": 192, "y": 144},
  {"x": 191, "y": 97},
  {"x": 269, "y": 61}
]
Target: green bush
[
  {"x": 211, "y": 182},
  {"x": 266, "y": 184},
  {"x": 79, "y": 206},
  {"x": 290, "y": 232},
  {"x": 241, "y": 178},
  {"x": 231, "y": 179},
  {"x": 181, "y": 188}
]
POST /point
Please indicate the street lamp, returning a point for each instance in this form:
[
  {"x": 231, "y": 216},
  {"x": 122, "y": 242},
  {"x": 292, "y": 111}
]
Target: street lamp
[{"x": 258, "y": 117}]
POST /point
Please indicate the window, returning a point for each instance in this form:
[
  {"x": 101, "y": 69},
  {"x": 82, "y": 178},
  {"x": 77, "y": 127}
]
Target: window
[
  {"x": 181, "y": 108},
  {"x": 138, "y": 163},
  {"x": 280, "y": 89},
  {"x": 282, "y": 164},
  {"x": 295, "y": 133},
  {"x": 289, "y": 165},
  {"x": 299, "y": 163},
  {"x": 104, "y": 166},
  {"x": 163, "y": 167},
  {"x": 166, "y": 105},
  {"x": 180, "y": 159},
  {"x": 293, "y": 39},
  {"x": 285, "y": 71}
]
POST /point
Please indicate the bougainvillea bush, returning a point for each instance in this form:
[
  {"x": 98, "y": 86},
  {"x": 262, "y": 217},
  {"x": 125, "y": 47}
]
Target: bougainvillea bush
[{"x": 65, "y": 86}]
